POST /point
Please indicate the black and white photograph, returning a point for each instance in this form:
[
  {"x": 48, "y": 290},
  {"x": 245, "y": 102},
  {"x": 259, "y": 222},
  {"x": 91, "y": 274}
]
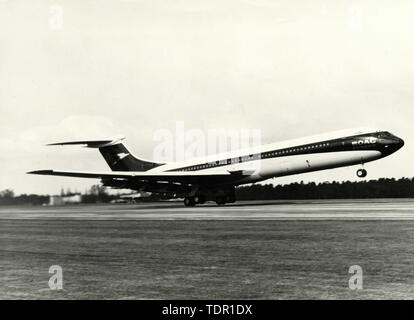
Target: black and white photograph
[{"x": 216, "y": 151}]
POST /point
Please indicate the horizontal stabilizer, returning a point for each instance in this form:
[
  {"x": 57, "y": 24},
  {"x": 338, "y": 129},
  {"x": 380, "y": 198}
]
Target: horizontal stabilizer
[{"x": 91, "y": 143}]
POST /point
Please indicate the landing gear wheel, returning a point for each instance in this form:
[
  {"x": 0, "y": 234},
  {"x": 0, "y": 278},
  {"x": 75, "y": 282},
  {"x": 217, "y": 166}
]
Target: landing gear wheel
[
  {"x": 220, "y": 200},
  {"x": 362, "y": 173},
  {"x": 199, "y": 199},
  {"x": 189, "y": 202},
  {"x": 231, "y": 199}
]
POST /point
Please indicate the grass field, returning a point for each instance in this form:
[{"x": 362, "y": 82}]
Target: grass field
[{"x": 206, "y": 259}]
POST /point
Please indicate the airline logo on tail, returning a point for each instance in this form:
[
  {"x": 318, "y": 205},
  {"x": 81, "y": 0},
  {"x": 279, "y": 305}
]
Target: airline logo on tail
[{"x": 120, "y": 156}]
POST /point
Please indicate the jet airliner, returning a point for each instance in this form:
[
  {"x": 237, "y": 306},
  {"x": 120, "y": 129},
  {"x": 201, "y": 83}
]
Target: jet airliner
[{"x": 200, "y": 180}]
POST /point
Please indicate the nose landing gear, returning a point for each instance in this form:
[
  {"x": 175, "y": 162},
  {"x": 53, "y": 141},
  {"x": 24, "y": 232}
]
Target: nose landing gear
[{"x": 361, "y": 173}]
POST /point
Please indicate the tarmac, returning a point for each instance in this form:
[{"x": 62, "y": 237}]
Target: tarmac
[
  {"x": 248, "y": 250},
  {"x": 367, "y": 209}
]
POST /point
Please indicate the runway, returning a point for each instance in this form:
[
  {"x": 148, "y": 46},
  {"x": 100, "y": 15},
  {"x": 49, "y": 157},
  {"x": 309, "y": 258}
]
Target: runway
[
  {"x": 250, "y": 250},
  {"x": 367, "y": 209}
]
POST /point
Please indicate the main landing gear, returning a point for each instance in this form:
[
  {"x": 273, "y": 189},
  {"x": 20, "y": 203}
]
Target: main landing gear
[
  {"x": 222, "y": 200},
  {"x": 189, "y": 202},
  {"x": 200, "y": 199},
  {"x": 192, "y": 201},
  {"x": 362, "y": 173}
]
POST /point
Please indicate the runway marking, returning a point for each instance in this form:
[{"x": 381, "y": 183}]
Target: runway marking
[{"x": 369, "y": 210}]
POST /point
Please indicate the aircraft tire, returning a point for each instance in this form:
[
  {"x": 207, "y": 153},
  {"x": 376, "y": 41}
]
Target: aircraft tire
[
  {"x": 220, "y": 201},
  {"x": 231, "y": 199},
  {"x": 361, "y": 173},
  {"x": 189, "y": 202},
  {"x": 199, "y": 199}
]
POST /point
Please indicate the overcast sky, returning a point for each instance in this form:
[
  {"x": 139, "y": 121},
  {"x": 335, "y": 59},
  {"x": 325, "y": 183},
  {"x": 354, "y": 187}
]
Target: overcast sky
[{"x": 89, "y": 69}]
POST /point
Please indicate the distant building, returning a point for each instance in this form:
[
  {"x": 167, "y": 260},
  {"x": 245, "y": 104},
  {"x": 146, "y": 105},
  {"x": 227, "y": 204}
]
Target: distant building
[{"x": 62, "y": 200}]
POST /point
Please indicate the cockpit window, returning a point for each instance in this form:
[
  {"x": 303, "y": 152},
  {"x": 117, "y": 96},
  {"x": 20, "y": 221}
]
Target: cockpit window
[{"x": 385, "y": 134}]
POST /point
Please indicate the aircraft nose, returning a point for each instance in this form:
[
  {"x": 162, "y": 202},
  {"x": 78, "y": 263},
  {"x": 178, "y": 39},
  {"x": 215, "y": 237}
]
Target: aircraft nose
[
  {"x": 396, "y": 143},
  {"x": 391, "y": 144},
  {"x": 400, "y": 142}
]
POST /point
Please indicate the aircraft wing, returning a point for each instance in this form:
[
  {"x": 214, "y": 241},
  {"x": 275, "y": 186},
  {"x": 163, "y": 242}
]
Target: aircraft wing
[{"x": 181, "y": 177}]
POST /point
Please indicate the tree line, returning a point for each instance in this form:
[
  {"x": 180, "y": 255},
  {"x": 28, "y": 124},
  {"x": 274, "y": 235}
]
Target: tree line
[{"x": 381, "y": 188}]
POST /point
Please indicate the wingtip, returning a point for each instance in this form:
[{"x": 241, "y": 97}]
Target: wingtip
[{"x": 39, "y": 172}]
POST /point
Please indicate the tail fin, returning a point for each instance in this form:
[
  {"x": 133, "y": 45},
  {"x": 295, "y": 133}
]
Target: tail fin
[{"x": 115, "y": 154}]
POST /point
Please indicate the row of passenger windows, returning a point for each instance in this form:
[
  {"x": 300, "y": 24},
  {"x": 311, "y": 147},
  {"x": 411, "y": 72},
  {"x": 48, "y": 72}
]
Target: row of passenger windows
[
  {"x": 292, "y": 150},
  {"x": 210, "y": 165},
  {"x": 251, "y": 157}
]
